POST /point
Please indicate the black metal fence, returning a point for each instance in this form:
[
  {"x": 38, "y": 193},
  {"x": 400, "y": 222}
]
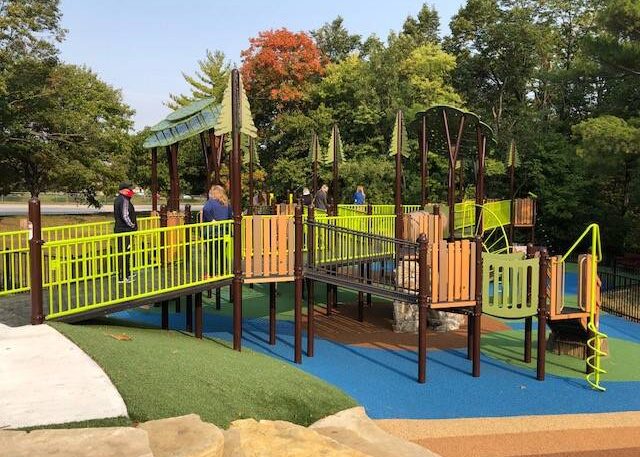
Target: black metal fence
[
  {"x": 369, "y": 263},
  {"x": 621, "y": 293}
]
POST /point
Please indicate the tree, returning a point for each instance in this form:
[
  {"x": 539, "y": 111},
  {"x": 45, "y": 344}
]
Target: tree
[
  {"x": 63, "y": 129},
  {"x": 423, "y": 28},
  {"x": 209, "y": 81},
  {"x": 279, "y": 65},
  {"x": 335, "y": 41}
]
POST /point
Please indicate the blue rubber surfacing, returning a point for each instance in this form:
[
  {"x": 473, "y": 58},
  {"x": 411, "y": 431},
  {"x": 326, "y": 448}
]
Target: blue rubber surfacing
[{"x": 384, "y": 380}]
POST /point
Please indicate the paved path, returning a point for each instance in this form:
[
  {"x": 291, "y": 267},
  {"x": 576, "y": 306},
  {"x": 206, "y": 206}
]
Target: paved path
[{"x": 46, "y": 379}]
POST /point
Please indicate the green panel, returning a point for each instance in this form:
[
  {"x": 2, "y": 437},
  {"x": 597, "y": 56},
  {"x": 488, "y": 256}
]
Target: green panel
[
  {"x": 402, "y": 142},
  {"x": 168, "y": 132},
  {"x": 506, "y": 279},
  {"x": 334, "y": 151}
]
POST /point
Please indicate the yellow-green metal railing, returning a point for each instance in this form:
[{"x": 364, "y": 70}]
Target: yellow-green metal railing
[
  {"x": 594, "y": 361},
  {"x": 65, "y": 232},
  {"x": 83, "y": 274},
  {"x": 14, "y": 262}
]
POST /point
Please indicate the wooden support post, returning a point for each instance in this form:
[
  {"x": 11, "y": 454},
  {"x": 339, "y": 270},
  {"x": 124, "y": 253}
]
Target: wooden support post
[
  {"x": 399, "y": 223},
  {"x": 528, "y": 322},
  {"x": 272, "y": 313},
  {"x": 299, "y": 283},
  {"x": 423, "y": 305},
  {"x": 336, "y": 177},
  {"x": 35, "y": 257},
  {"x": 542, "y": 316},
  {"x": 189, "y": 314},
  {"x": 311, "y": 244},
  {"x": 424, "y": 170},
  {"x": 236, "y": 196},
  {"x": 477, "y": 311},
  {"x": 154, "y": 180},
  {"x": 198, "y": 316},
  {"x": 165, "y": 315},
  {"x": 218, "y": 298},
  {"x": 470, "y": 336}
]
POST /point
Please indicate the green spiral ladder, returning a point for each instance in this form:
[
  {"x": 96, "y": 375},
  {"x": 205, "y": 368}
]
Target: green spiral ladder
[{"x": 595, "y": 342}]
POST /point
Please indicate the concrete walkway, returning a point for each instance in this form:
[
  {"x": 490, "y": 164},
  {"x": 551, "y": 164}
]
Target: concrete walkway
[{"x": 46, "y": 379}]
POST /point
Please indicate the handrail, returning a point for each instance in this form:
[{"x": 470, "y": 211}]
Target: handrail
[{"x": 595, "y": 342}]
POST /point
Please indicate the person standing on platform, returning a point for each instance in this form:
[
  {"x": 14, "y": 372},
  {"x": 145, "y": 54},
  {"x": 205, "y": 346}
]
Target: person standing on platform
[
  {"x": 307, "y": 199},
  {"x": 217, "y": 208},
  {"x": 321, "y": 198},
  {"x": 124, "y": 214},
  {"x": 359, "y": 197}
]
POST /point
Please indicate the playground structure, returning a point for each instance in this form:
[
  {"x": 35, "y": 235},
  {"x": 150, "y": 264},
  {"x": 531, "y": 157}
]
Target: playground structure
[{"x": 455, "y": 257}]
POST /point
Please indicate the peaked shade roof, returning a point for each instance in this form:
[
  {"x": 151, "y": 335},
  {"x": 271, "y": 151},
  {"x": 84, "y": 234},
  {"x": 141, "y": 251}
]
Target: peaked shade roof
[
  {"x": 332, "y": 150},
  {"x": 183, "y": 123},
  {"x": 403, "y": 143}
]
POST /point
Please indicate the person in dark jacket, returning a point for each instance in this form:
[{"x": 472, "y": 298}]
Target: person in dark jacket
[
  {"x": 321, "y": 198},
  {"x": 217, "y": 208},
  {"x": 307, "y": 199},
  {"x": 125, "y": 221}
]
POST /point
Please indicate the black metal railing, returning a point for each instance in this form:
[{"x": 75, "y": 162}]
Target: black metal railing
[
  {"x": 374, "y": 264},
  {"x": 621, "y": 294}
]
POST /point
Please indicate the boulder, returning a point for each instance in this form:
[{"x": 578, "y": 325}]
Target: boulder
[
  {"x": 184, "y": 436},
  {"x": 250, "y": 438},
  {"x": 96, "y": 442},
  {"x": 353, "y": 428}
]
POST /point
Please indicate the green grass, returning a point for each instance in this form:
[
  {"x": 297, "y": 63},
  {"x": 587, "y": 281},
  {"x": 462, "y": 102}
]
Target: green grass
[
  {"x": 163, "y": 374},
  {"x": 623, "y": 364}
]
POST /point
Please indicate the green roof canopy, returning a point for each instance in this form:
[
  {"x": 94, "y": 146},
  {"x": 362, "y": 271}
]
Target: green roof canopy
[
  {"x": 183, "y": 123},
  {"x": 436, "y": 128}
]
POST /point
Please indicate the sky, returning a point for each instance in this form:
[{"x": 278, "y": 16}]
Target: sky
[{"x": 143, "y": 46}]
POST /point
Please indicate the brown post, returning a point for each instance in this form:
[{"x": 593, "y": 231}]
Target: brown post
[
  {"x": 512, "y": 190},
  {"x": 477, "y": 311},
  {"x": 218, "y": 298},
  {"x": 251, "y": 190},
  {"x": 398, "y": 193},
  {"x": 272, "y": 313},
  {"x": 165, "y": 315},
  {"x": 542, "y": 316},
  {"x": 481, "y": 149},
  {"x": 215, "y": 151},
  {"x": 187, "y": 232},
  {"x": 453, "y": 154},
  {"x": 205, "y": 154},
  {"x": 336, "y": 194},
  {"x": 299, "y": 283},
  {"x": 174, "y": 181},
  {"x": 528, "y": 321},
  {"x": 368, "y": 272},
  {"x": 424, "y": 300},
  {"x": 163, "y": 223},
  {"x": 199, "y": 316},
  {"x": 424, "y": 159},
  {"x": 311, "y": 244},
  {"x": 314, "y": 141},
  {"x": 236, "y": 195},
  {"x": 154, "y": 180},
  {"x": 189, "y": 314},
  {"x": 35, "y": 257}
]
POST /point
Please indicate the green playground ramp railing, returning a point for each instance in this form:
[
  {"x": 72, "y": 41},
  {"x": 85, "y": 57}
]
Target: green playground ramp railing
[
  {"x": 594, "y": 361},
  {"x": 83, "y": 274},
  {"x": 14, "y": 249},
  {"x": 14, "y": 262},
  {"x": 495, "y": 214}
]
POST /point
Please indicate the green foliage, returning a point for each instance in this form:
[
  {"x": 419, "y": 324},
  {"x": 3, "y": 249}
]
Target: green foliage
[
  {"x": 208, "y": 82},
  {"x": 335, "y": 41}
]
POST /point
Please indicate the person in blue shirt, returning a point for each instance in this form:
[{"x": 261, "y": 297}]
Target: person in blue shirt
[
  {"x": 359, "y": 197},
  {"x": 217, "y": 208}
]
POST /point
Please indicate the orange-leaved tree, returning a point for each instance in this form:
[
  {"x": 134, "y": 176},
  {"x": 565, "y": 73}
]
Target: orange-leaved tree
[{"x": 278, "y": 66}]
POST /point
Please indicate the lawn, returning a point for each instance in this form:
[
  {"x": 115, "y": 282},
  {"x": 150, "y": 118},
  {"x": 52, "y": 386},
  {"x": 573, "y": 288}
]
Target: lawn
[{"x": 166, "y": 373}]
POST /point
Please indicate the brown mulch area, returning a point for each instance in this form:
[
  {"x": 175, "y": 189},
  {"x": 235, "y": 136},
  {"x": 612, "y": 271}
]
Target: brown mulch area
[{"x": 376, "y": 330}]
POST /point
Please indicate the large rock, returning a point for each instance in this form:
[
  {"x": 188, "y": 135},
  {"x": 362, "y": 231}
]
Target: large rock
[
  {"x": 184, "y": 436},
  {"x": 94, "y": 442},
  {"x": 405, "y": 315},
  {"x": 249, "y": 438},
  {"x": 353, "y": 428}
]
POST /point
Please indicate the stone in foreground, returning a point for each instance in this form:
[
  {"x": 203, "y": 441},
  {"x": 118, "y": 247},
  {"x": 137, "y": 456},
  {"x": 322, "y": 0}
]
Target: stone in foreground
[
  {"x": 353, "y": 428},
  {"x": 250, "y": 438},
  {"x": 184, "y": 436},
  {"x": 94, "y": 442}
]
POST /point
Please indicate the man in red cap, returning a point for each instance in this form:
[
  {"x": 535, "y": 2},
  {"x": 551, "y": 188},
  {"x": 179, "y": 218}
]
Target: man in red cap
[{"x": 125, "y": 218}]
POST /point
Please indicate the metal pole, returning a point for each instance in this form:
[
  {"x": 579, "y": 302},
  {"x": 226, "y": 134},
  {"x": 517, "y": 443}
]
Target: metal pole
[
  {"x": 528, "y": 321},
  {"x": 35, "y": 257},
  {"x": 424, "y": 300},
  {"x": 477, "y": 311},
  {"x": 299, "y": 283},
  {"x": 314, "y": 142},
  {"x": 424, "y": 171},
  {"x": 272, "y": 313},
  {"x": 512, "y": 191},
  {"x": 215, "y": 150},
  {"x": 542, "y": 316},
  {"x": 481, "y": 144},
  {"x": 199, "y": 316},
  {"x": 154, "y": 180},
  {"x": 398, "y": 193},
  {"x": 335, "y": 170},
  {"x": 311, "y": 244},
  {"x": 205, "y": 155},
  {"x": 236, "y": 195},
  {"x": 189, "y": 314}
]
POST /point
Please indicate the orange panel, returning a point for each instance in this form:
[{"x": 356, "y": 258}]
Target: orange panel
[
  {"x": 282, "y": 245},
  {"x": 450, "y": 271},
  {"x": 266, "y": 246},
  {"x": 464, "y": 285},
  {"x": 444, "y": 271},
  {"x": 248, "y": 247},
  {"x": 258, "y": 251},
  {"x": 435, "y": 286}
]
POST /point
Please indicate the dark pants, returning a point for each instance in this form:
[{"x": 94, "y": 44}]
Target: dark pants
[
  {"x": 124, "y": 257},
  {"x": 216, "y": 251}
]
